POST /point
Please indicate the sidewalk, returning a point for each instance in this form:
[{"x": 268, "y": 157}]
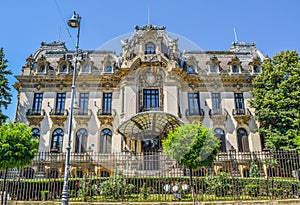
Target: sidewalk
[{"x": 259, "y": 202}]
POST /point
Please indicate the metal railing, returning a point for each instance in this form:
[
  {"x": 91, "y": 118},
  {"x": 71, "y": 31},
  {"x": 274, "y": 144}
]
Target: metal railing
[{"x": 156, "y": 177}]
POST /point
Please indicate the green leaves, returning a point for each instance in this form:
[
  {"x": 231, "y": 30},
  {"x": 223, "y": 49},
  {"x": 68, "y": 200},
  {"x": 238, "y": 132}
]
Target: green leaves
[
  {"x": 17, "y": 146},
  {"x": 5, "y": 95},
  {"x": 277, "y": 100},
  {"x": 192, "y": 145}
]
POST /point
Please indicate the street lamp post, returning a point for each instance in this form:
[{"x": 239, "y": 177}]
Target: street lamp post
[{"x": 74, "y": 22}]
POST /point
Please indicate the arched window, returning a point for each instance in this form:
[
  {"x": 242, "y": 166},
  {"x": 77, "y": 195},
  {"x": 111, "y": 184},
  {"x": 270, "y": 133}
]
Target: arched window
[
  {"x": 220, "y": 134},
  {"x": 57, "y": 139},
  {"x": 242, "y": 138},
  {"x": 105, "y": 141},
  {"x": 81, "y": 141},
  {"x": 150, "y": 48},
  {"x": 36, "y": 133}
]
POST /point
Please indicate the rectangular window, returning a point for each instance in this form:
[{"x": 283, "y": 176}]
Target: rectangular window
[
  {"x": 194, "y": 104},
  {"x": 150, "y": 99},
  {"x": 216, "y": 103},
  {"x": 239, "y": 103},
  {"x": 60, "y": 103},
  {"x": 123, "y": 100},
  {"x": 37, "y": 104},
  {"x": 83, "y": 103},
  {"x": 106, "y": 106}
]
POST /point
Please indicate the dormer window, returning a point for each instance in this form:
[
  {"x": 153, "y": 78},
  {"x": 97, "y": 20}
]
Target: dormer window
[
  {"x": 86, "y": 69},
  {"x": 42, "y": 68},
  {"x": 256, "y": 69},
  {"x": 108, "y": 69},
  {"x": 63, "y": 69},
  {"x": 191, "y": 69},
  {"x": 234, "y": 69},
  {"x": 213, "y": 68},
  {"x": 150, "y": 48}
]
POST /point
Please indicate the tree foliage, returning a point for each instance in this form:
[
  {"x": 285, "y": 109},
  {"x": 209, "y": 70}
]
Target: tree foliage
[
  {"x": 192, "y": 145},
  {"x": 277, "y": 100},
  {"x": 5, "y": 95},
  {"x": 17, "y": 146}
]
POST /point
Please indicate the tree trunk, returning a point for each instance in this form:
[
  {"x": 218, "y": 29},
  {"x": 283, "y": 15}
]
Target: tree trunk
[
  {"x": 192, "y": 186},
  {"x": 3, "y": 188}
]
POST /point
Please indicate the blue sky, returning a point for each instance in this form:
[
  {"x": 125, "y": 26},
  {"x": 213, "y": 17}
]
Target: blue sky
[{"x": 273, "y": 25}]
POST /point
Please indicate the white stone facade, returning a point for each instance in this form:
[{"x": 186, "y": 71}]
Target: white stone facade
[{"x": 150, "y": 76}]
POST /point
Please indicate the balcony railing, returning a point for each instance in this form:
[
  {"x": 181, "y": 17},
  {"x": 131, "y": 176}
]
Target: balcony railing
[
  {"x": 59, "y": 112},
  {"x": 147, "y": 108},
  {"x": 190, "y": 112},
  {"x": 83, "y": 112},
  {"x": 241, "y": 112},
  {"x": 220, "y": 111},
  {"x": 104, "y": 112},
  {"x": 35, "y": 112}
]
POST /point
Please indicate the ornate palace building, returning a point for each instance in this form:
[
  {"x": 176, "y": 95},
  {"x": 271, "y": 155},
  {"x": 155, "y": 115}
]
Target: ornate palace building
[{"x": 128, "y": 102}]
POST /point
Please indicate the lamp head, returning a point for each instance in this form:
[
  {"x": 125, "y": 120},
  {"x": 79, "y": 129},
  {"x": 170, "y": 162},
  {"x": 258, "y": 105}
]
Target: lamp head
[{"x": 74, "y": 22}]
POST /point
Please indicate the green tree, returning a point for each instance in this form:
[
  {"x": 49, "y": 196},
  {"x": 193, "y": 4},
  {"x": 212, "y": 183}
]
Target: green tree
[
  {"x": 193, "y": 146},
  {"x": 5, "y": 95},
  {"x": 17, "y": 147},
  {"x": 276, "y": 99}
]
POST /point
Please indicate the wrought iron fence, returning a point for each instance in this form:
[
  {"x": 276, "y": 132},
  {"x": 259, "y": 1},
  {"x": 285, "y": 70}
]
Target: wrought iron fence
[{"x": 155, "y": 177}]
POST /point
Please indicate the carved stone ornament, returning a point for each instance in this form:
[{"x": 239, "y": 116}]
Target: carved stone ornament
[
  {"x": 219, "y": 119},
  {"x": 58, "y": 119},
  {"x": 195, "y": 118},
  {"x": 34, "y": 120}
]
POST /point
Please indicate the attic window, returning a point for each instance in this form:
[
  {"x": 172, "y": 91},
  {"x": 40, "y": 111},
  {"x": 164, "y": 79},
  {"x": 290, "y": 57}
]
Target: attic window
[
  {"x": 86, "y": 69},
  {"x": 42, "y": 68},
  {"x": 63, "y": 69},
  {"x": 256, "y": 69},
  {"x": 108, "y": 69},
  {"x": 191, "y": 69},
  {"x": 150, "y": 48},
  {"x": 213, "y": 69},
  {"x": 234, "y": 68}
]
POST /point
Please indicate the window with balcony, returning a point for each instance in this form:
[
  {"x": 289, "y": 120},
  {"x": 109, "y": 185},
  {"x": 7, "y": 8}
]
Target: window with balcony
[
  {"x": 239, "y": 104},
  {"x": 220, "y": 134},
  {"x": 150, "y": 99},
  {"x": 60, "y": 103},
  {"x": 216, "y": 103},
  {"x": 105, "y": 141},
  {"x": 106, "y": 105},
  {"x": 83, "y": 103},
  {"x": 150, "y": 48},
  {"x": 37, "y": 103},
  {"x": 57, "y": 140},
  {"x": 194, "y": 103},
  {"x": 81, "y": 141}
]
